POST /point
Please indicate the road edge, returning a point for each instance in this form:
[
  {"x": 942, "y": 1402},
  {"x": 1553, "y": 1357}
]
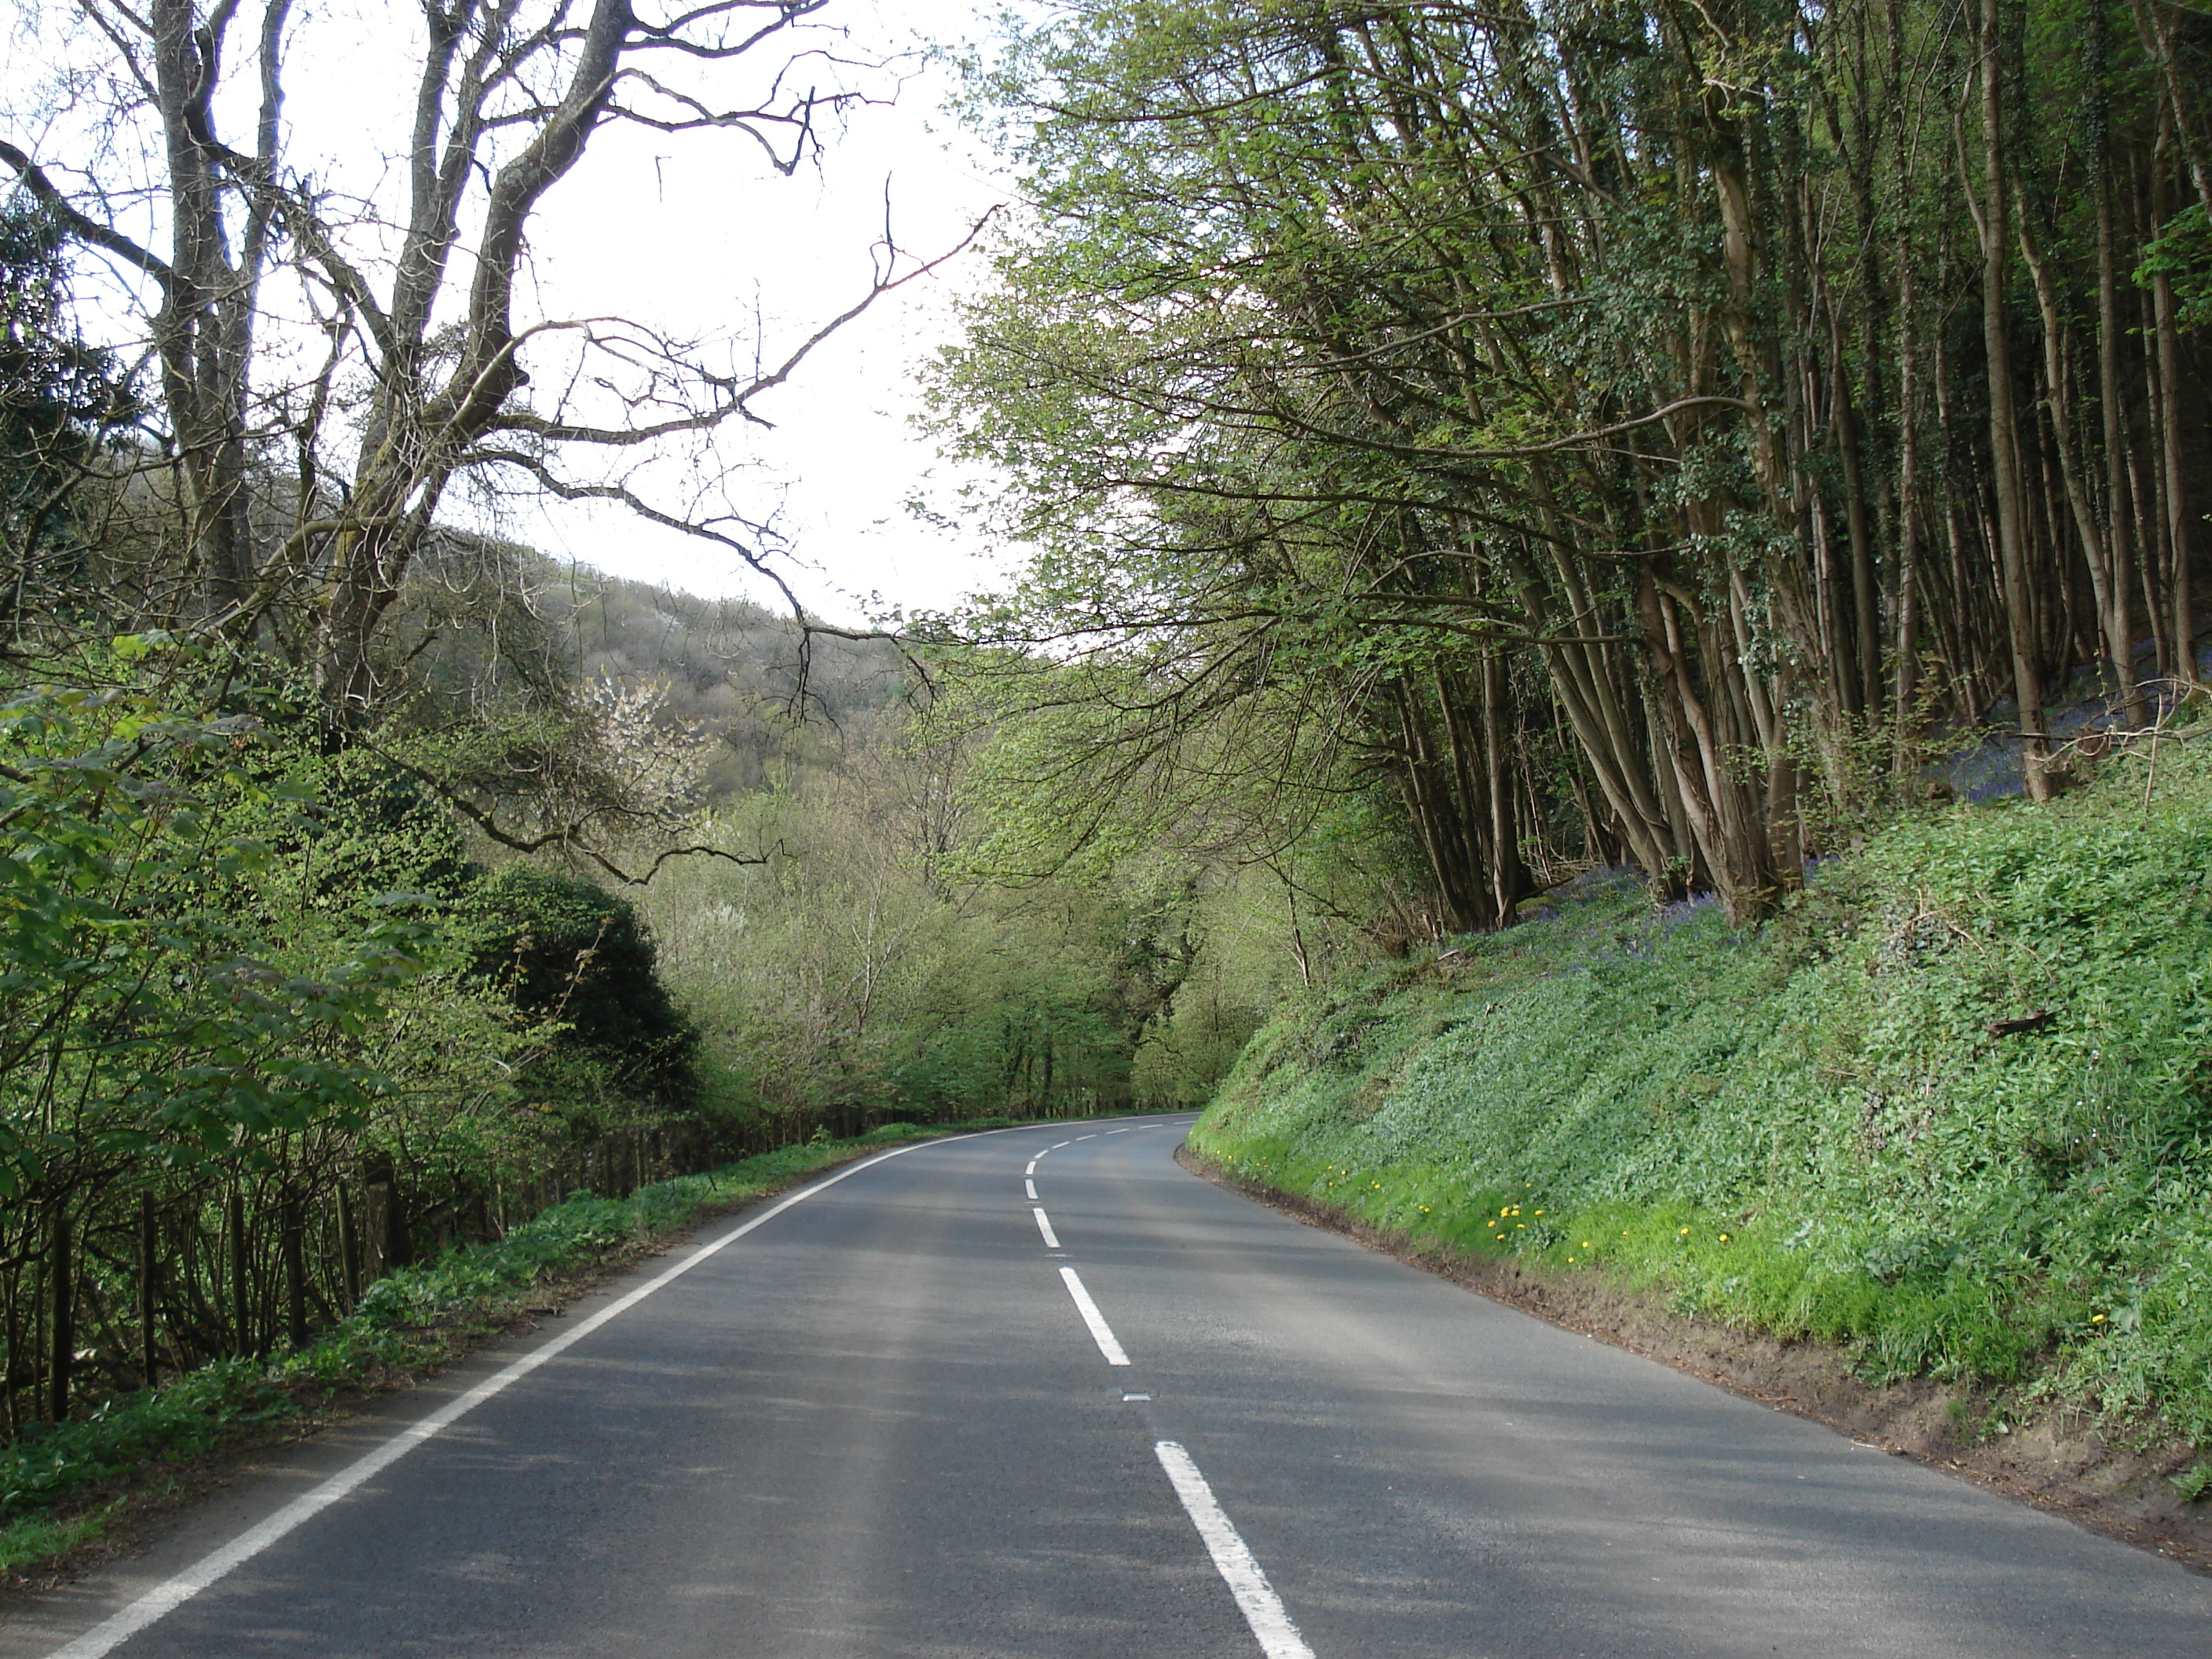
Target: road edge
[{"x": 2064, "y": 1468}]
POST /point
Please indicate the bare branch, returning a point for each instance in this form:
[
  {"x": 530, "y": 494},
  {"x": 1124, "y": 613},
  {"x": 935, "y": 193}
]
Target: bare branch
[{"x": 89, "y": 231}]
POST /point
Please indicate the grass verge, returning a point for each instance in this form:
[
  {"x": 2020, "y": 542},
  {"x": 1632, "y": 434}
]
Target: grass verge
[{"x": 1951, "y": 1112}]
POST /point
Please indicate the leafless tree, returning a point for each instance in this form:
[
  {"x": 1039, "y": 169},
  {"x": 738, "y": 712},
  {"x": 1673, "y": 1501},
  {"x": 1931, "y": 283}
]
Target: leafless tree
[{"x": 298, "y": 486}]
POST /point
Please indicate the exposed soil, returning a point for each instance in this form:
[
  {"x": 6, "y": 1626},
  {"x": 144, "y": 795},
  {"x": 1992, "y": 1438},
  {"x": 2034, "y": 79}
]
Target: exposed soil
[{"x": 2053, "y": 1457}]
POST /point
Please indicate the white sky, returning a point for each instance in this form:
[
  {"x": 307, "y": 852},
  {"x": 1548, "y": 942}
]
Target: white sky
[
  {"x": 683, "y": 239},
  {"x": 696, "y": 234}
]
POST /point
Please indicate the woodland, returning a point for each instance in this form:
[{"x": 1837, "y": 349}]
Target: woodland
[{"x": 1455, "y": 449}]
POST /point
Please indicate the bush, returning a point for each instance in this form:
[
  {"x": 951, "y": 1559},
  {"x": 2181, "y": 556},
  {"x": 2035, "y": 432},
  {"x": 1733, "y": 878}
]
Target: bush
[{"x": 567, "y": 949}]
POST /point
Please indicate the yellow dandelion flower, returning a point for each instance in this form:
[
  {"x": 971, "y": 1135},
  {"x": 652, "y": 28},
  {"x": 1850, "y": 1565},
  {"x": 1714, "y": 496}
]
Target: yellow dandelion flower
[
  {"x": 1724, "y": 1238},
  {"x": 2097, "y": 1319},
  {"x": 1684, "y": 1233}
]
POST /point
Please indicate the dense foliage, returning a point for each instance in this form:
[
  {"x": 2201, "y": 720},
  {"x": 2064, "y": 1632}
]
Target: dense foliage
[
  {"x": 267, "y": 1029},
  {"x": 1615, "y": 432}
]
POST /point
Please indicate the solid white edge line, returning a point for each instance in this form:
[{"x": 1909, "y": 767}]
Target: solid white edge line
[
  {"x": 1100, "y": 1332},
  {"x": 1051, "y": 1239},
  {"x": 1255, "y": 1597},
  {"x": 166, "y": 1597}
]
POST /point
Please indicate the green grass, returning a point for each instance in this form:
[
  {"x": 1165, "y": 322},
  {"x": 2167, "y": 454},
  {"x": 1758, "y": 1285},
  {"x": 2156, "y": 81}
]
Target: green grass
[
  {"x": 407, "y": 1319},
  {"x": 36, "y": 1538},
  {"x": 1808, "y": 1128}
]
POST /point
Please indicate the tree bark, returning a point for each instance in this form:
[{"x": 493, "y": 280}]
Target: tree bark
[
  {"x": 2111, "y": 411},
  {"x": 2004, "y": 435},
  {"x": 149, "y": 1267},
  {"x": 61, "y": 1319}
]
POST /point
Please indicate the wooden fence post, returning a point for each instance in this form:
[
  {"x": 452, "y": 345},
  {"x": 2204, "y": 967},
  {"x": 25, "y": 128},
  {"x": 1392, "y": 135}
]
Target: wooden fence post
[
  {"x": 149, "y": 1265},
  {"x": 348, "y": 1246},
  {"x": 61, "y": 1283},
  {"x": 296, "y": 1269},
  {"x": 241, "y": 1318}
]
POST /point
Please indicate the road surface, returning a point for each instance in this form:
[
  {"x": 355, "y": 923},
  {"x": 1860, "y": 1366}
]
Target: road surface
[{"x": 1041, "y": 1392}]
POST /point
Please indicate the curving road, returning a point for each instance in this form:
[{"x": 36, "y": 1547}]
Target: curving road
[{"x": 1040, "y": 1392}]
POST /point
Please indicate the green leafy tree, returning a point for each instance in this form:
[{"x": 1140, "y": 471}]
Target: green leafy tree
[
  {"x": 570, "y": 952},
  {"x": 60, "y": 399}
]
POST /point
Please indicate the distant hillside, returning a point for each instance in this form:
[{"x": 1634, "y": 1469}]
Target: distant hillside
[{"x": 485, "y": 621}]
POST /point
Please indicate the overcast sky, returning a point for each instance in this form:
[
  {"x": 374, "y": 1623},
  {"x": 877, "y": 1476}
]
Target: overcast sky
[
  {"x": 666, "y": 226},
  {"x": 692, "y": 233}
]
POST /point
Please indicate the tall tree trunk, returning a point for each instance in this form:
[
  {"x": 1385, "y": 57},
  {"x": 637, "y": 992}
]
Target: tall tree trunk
[
  {"x": 2058, "y": 379},
  {"x": 61, "y": 1321},
  {"x": 242, "y": 1310},
  {"x": 1509, "y": 877},
  {"x": 291, "y": 1228},
  {"x": 2004, "y": 435},
  {"x": 348, "y": 1244},
  {"x": 1906, "y": 686},
  {"x": 149, "y": 1268},
  {"x": 2111, "y": 412}
]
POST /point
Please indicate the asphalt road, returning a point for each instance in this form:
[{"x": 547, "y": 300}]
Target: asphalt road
[{"x": 882, "y": 1423}]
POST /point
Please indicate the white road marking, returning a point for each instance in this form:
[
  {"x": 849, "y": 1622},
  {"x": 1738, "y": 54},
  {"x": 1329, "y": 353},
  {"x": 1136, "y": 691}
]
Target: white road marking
[
  {"x": 1117, "y": 1131},
  {"x": 1032, "y": 1169},
  {"x": 166, "y": 1597},
  {"x": 1030, "y": 1186},
  {"x": 1100, "y": 1332},
  {"x": 1091, "y": 1137},
  {"x": 1045, "y": 1227},
  {"x": 1262, "y": 1608},
  {"x": 1055, "y": 1146}
]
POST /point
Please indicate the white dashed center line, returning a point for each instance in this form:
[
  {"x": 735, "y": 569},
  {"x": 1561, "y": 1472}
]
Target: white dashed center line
[
  {"x": 1100, "y": 1332},
  {"x": 1262, "y": 1608},
  {"x": 1255, "y": 1597}
]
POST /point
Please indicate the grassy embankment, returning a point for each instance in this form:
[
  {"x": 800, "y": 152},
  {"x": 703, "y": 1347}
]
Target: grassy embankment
[
  {"x": 56, "y": 1487},
  {"x": 1812, "y": 1128}
]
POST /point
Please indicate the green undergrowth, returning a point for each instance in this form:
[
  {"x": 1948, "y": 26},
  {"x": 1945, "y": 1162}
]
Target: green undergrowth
[
  {"x": 413, "y": 1317},
  {"x": 1810, "y": 1129}
]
